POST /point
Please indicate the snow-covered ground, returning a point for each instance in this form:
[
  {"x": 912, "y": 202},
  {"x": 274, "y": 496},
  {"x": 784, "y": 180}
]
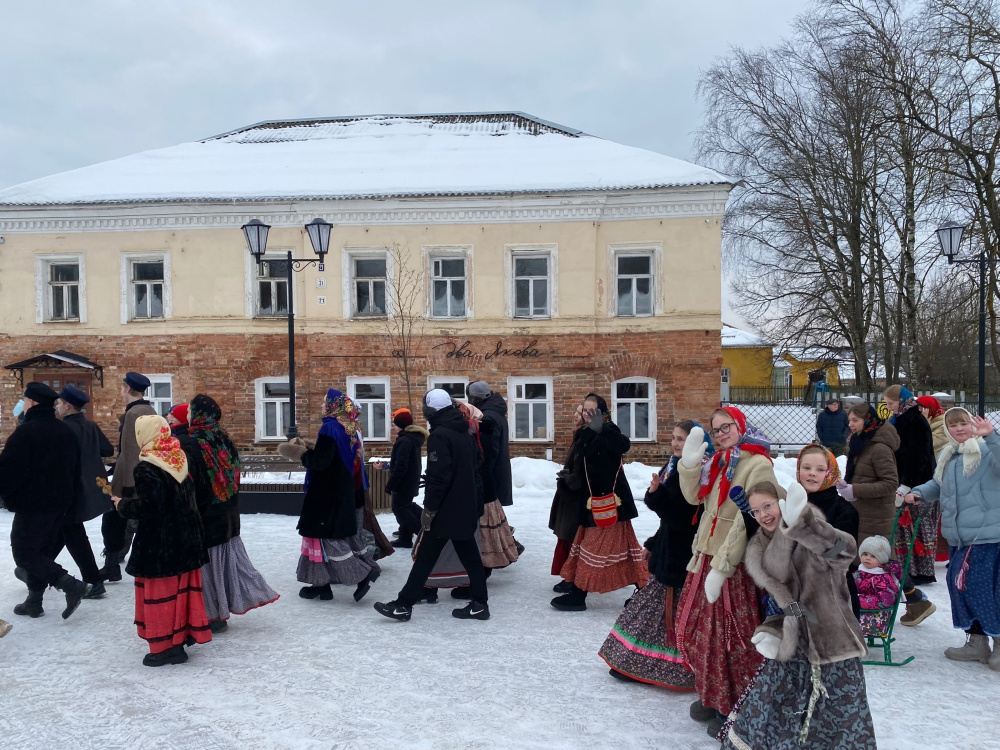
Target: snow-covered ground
[{"x": 310, "y": 675}]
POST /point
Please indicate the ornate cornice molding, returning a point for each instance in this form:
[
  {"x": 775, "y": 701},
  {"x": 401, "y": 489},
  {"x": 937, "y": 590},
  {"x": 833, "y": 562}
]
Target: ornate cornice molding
[{"x": 707, "y": 201}]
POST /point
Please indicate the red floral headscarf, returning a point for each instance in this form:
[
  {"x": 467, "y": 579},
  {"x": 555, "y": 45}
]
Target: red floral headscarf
[{"x": 158, "y": 447}]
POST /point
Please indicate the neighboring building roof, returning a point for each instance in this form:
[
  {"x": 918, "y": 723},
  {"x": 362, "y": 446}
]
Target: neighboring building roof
[
  {"x": 812, "y": 354},
  {"x": 373, "y": 156},
  {"x": 734, "y": 338}
]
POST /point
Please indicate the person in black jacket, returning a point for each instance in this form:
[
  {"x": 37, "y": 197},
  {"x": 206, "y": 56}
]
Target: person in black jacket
[
  {"x": 832, "y": 429},
  {"x": 451, "y": 511},
  {"x": 649, "y": 615},
  {"x": 404, "y": 475},
  {"x": 605, "y": 555},
  {"x": 178, "y": 421},
  {"x": 169, "y": 546},
  {"x": 332, "y": 550},
  {"x": 93, "y": 501},
  {"x": 40, "y": 482},
  {"x": 494, "y": 434}
]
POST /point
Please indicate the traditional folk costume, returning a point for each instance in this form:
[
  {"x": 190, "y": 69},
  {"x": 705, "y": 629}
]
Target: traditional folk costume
[
  {"x": 643, "y": 644},
  {"x": 230, "y": 582},
  {"x": 168, "y": 550},
  {"x": 714, "y": 637}
]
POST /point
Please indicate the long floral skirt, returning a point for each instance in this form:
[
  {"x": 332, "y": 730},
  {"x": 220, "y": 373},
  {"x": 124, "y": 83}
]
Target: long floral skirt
[
  {"x": 714, "y": 639},
  {"x": 169, "y": 610},
  {"x": 496, "y": 542},
  {"x": 925, "y": 547},
  {"x": 642, "y": 644},
  {"x": 605, "y": 559},
  {"x": 348, "y": 561},
  {"x": 775, "y": 711},
  {"x": 978, "y": 599},
  {"x": 230, "y": 582}
]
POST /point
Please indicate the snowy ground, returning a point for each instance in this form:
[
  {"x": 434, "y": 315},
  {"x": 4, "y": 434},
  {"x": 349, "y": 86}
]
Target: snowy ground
[{"x": 310, "y": 675}]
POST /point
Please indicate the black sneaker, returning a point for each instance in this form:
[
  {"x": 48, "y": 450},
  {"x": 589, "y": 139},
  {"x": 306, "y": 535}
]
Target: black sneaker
[
  {"x": 473, "y": 611},
  {"x": 394, "y": 610},
  {"x": 563, "y": 587},
  {"x": 97, "y": 591},
  {"x": 429, "y": 595},
  {"x": 175, "y": 655},
  {"x": 461, "y": 592}
]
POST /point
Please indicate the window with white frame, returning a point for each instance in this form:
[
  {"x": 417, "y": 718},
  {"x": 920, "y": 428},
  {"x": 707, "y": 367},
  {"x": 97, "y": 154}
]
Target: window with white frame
[
  {"x": 634, "y": 284},
  {"x": 452, "y": 385},
  {"x": 272, "y": 402},
  {"x": 372, "y": 397},
  {"x": 145, "y": 286},
  {"x": 633, "y": 402},
  {"x": 448, "y": 286},
  {"x": 160, "y": 393},
  {"x": 368, "y": 277},
  {"x": 531, "y": 285},
  {"x": 60, "y": 289},
  {"x": 530, "y": 402},
  {"x": 272, "y": 288}
]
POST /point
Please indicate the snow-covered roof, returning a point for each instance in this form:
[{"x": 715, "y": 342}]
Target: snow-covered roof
[
  {"x": 734, "y": 338},
  {"x": 375, "y": 156}
]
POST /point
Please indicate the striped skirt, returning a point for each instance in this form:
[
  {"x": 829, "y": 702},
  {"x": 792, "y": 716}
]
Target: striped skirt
[
  {"x": 448, "y": 570},
  {"x": 169, "y": 610},
  {"x": 230, "y": 582},
  {"x": 496, "y": 542},
  {"x": 348, "y": 561},
  {"x": 605, "y": 559},
  {"x": 642, "y": 644}
]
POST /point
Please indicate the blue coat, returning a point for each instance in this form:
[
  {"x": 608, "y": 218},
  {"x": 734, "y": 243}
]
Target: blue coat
[
  {"x": 831, "y": 427},
  {"x": 970, "y": 506}
]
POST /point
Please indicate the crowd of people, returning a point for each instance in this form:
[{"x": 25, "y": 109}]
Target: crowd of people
[{"x": 756, "y": 596}]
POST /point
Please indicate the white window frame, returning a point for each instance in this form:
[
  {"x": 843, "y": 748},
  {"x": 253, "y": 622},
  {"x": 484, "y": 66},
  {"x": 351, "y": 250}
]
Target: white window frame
[
  {"x": 353, "y": 381},
  {"x": 447, "y": 252},
  {"x": 259, "y": 402},
  {"x": 655, "y": 251},
  {"x": 348, "y": 256},
  {"x": 512, "y": 401},
  {"x": 153, "y": 380},
  {"x": 125, "y": 283},
  {"x": 519, "y": 251},
  {"x": 252, "y": 290},
  {"x": 433, "y": 379},
  {"x": 43, "y": 311},
  {"x": 615, "y": 401}
]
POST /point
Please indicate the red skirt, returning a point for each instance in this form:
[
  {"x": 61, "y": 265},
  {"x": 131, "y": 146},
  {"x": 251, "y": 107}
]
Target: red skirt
[
  {"x": 605, "y": 559},
  {"x": 168, "y": 610},
  {"x": 714, "y": 639}
]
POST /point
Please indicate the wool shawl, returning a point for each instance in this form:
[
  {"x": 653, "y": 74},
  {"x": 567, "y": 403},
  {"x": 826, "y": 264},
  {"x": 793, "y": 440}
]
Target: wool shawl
[
  {"x": 860, "y": 441},
  {"x": 158, "y": 447},
  {"x": 752, "y": 440},
  {"x": 217, "y": 449},
  {"x": 971, "y": 450}
]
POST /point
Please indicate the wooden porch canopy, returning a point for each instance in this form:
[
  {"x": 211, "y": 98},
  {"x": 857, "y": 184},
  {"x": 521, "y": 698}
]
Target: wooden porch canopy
[{"x": 56, "y": 360}]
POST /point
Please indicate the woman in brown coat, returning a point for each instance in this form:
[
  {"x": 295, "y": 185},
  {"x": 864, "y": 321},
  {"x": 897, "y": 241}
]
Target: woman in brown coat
[{"x": 871, "y": 478}]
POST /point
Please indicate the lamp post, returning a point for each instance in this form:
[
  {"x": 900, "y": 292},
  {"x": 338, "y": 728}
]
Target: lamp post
[
  {"x": 949, "y": 236},
  {"x": 255, "y": 232}
]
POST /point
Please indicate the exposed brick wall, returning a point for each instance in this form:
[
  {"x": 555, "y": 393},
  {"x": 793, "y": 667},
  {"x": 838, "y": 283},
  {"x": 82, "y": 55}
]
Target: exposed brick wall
[{"x": 685, "y": 365}]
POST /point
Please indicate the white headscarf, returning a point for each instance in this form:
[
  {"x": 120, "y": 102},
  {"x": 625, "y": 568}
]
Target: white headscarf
[{"x": 971, "y": 450}]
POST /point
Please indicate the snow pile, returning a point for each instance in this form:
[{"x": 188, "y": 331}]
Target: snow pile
[{"x": 311, "y": 675}]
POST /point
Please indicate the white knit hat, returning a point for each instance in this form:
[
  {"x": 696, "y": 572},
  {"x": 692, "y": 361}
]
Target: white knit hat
[
  {"x": 876, "y": 546},
  {"x": 437, "y": 399}
]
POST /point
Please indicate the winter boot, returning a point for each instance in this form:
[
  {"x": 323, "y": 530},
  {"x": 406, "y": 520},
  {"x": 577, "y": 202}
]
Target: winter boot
[
  {"x": 175, "y": 655},
  {"x": 362, "y": 589},
  {"x": 917, "y": 612},
  {"x": 622, "y": 676},
  {"x": 97, "y": 591},
  {"x": 429, "y": 595},
  {"x": 994, "y": 662},
  {"x": 218, "y": 626},
  {"x": 395, "y": 610},
  {"x": 473, "y": 611},
  {"x": 313, "y": 592},
  {"x": 75, "y": 592},
  {"x": 563, "y": 587},
  {"x": 21, "y": 574},
  {"x": 714, "y": 725},
  {"x": 976, "y": 648},
  {"x": 574, "y": 601},
  {"x": 112, "y": 571},
  {"x": 5, "y": 627},
  {"x": 461, "y": 592},
  {"x": 32, "y": 606},
  {"x": 517, "y": 545},
  {"x": 404, "y": 541}
]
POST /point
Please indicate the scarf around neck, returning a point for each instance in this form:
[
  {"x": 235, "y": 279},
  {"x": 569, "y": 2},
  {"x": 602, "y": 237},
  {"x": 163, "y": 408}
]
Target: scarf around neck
[
  {"x": 218, "y": 451},
  {"x": 751, "y": 440},
  {"x": 342, "y": 423},
  {"x": 872, "y": 423},
  {"x": 158, "y": 447},
  {"x": 971, "y": 451}
]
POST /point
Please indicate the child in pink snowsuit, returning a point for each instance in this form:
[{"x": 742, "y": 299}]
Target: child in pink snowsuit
[{"x": 878, "y": 580}]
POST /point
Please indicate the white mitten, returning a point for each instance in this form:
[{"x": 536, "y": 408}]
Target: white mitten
[
  {"x": 694, "y": 449},
  {"x": 713, "y": 585},
  {"x": 767, "y": 644},
  {"x": 794, "y": 504}
]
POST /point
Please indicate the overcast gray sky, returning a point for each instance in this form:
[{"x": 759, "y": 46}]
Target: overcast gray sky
[{"x": 83, "y": 82}]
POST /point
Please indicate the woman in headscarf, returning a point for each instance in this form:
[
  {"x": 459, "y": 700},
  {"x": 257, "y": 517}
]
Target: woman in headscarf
[
  {"x": 720, "y": 608},
  {"x": 230, "y": 582},
  {"x": 642, "y": 645},
  {"x": 168, "y": 550},
  {"x": 331, "y": 519},
  {"x": 933, "y": 412},
  {"x": 604, "y": 555}
]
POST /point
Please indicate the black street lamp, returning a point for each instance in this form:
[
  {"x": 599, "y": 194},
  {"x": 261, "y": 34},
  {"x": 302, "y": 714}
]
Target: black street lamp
[
  {"x": 950, "y": 237},
  {"x": 255, "y": 232}
]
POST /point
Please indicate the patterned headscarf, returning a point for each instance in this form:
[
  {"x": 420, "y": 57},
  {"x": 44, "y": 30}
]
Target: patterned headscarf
[
  {"x": 158, "y": 447},
  {"x": 752, "y": 440},
  {"x": 342, "y": 422},
  {"x": 906, "y": 402},
  {"x": 218, "y": 451},
  {"x": 873, "y": 422},
  {"x": 832, "y": 473}
]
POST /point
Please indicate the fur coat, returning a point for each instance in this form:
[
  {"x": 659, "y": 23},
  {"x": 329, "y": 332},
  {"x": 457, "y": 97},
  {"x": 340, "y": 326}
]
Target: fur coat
[{"x": 807, "y": 564}]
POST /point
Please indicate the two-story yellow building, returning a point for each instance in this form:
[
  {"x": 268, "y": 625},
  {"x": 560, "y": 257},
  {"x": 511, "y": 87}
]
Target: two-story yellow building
[{"x": 550, "y": 263}]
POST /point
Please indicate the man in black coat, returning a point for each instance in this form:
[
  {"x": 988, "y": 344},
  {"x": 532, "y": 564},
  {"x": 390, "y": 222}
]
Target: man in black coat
[
  {"x": 494, "y": 434},
  {"x": 832, "y": 429},
  {"x": 40, "y": 482},
  {"x": 93, "y": 501},
  {"x": 404, "y": 475},
  {"x": 451, "y": 510}
]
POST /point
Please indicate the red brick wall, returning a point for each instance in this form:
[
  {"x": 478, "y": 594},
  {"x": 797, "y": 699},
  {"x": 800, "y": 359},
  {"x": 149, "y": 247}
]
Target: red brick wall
[{"x": 685, "y": 365}]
